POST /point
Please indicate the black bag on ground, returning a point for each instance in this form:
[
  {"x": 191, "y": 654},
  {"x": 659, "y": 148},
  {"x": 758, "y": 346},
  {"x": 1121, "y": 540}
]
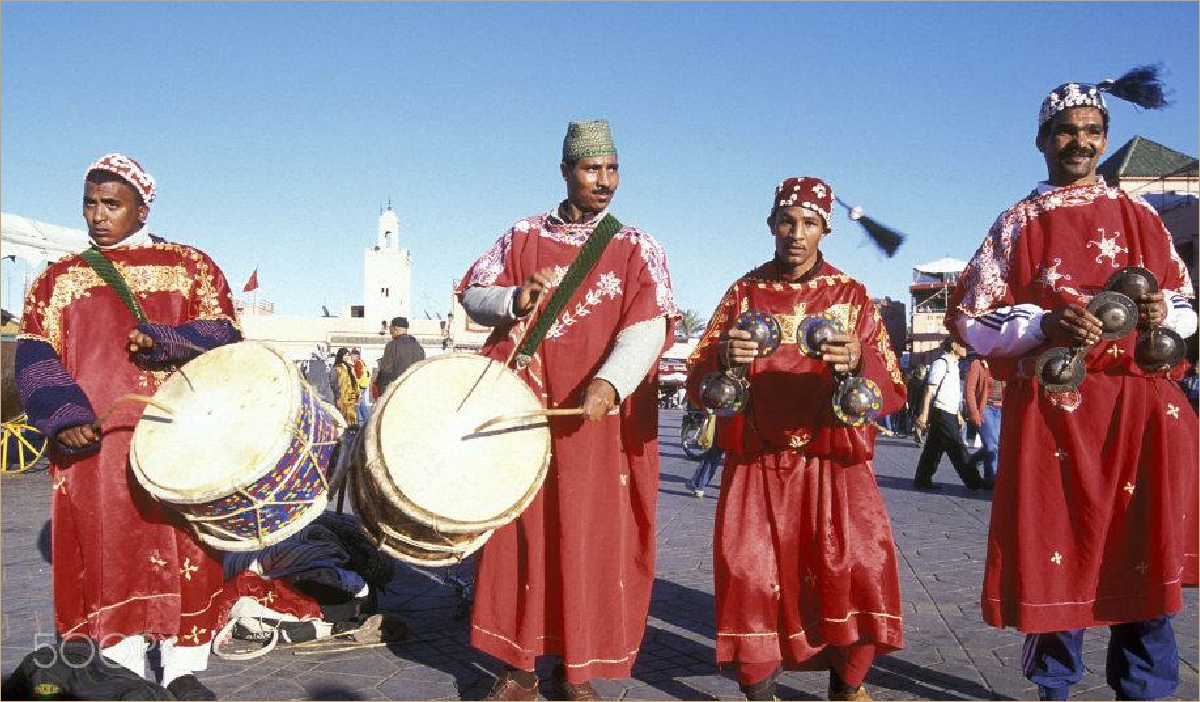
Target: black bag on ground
[{"x": 74, "y": 670}]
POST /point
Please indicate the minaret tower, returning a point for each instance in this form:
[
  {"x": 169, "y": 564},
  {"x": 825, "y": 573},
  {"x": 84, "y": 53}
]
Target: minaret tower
[{"x": 387, "y": 273}]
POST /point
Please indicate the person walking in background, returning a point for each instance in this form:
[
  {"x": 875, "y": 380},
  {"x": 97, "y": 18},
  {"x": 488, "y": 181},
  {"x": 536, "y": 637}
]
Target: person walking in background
[
  {"x": 709, "y": 462},
  {"x": 984, "y": 396},
  {"x": 941, "y": 415},
  {"x": 345, "y": 386},
  {"x": 916, "y": 395},
  {"x": 400, "y": 353},
  {"x": 362, "y": 378},
  {"x": 1094, "y": 516}
]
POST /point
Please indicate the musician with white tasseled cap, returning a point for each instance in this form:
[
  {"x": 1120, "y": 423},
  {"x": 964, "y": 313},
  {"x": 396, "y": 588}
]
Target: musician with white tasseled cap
[{"x": 1094, "y": 509}]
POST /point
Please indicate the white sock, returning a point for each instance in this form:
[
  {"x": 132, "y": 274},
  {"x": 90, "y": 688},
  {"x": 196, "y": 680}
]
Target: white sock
[
  {"x": 129, "y": 653},
  {"x": 178, "y": 661}
]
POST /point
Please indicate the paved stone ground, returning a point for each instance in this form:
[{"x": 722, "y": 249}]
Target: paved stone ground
[{"x": 949, "y": 655}]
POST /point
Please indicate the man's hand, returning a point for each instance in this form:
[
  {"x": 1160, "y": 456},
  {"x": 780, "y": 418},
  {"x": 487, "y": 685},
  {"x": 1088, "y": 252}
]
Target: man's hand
[
  {"x": 139, "y": 342},
  {"x": 735, "y": 348},
  {"x": 1072, "y": 325},
  {"x": 79, "y": 437},
  {"x": 1152, "y": 309},
  {"x": 600, "y": 399},
  {"x": 843, "y": 352},
  {"x": 919, "y": 424},
  {"x": 533, "y": 289}
]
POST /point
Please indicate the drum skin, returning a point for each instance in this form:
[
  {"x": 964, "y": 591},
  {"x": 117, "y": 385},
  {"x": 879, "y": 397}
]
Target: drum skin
[
  {"x": 245, "y": 455},
  {"x": 427, "y": 487}
]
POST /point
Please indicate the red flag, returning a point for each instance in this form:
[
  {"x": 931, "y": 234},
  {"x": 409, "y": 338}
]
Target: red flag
[{"x": 252, "y": 284}]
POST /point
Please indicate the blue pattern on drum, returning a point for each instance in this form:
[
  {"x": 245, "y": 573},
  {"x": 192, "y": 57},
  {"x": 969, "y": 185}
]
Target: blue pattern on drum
[{"x": 312, "y": 473}]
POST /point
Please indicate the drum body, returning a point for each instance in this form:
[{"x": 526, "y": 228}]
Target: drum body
[
  {"x": 245, "y": 452},
  {"x": 428, "y": 488}
]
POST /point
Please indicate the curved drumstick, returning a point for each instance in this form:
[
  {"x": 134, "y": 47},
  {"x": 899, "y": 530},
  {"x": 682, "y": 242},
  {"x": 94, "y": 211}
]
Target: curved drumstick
[
  {"x": 526, "y": 415},
  {"x": 133, "y": 398}
]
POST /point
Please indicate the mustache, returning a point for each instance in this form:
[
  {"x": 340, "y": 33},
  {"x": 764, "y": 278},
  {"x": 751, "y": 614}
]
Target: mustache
[{"x": 1076, "y": 151}]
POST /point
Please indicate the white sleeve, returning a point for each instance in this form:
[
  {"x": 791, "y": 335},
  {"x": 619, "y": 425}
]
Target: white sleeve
[
  {"x": 489, "y": 306},
  {"x": 633, "y": 355},
  {"x": 1005, "y": 331},
  {"x": 1181, "y": 318}
]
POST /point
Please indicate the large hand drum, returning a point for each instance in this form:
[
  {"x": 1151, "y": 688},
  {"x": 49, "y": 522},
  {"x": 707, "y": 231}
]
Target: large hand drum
[
  {"x": 244, "y": 452},
  {"x": 432, "y": 487}
]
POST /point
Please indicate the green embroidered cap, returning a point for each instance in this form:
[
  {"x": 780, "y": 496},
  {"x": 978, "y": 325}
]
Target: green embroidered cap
[{"x": 588, "y": 138}]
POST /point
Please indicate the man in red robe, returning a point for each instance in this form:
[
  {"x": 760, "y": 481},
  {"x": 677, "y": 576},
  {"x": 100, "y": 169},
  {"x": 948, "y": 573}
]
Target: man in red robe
[
  {"x": 804, "y": 561},
  {"x": 1094, "y": 512},
  {"x": 127, "y": 572},
  {"x": 571, "y": 577}
]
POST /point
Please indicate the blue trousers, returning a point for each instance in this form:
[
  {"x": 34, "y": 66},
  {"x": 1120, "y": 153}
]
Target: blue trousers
[
  {"x": 989, "y": 433},
  {"x": 707, "y": 468},
  {"x": 1143, "y": 660}
]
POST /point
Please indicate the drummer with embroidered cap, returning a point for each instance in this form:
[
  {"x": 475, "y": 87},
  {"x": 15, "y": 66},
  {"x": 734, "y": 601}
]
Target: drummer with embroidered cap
[
  {"x": 1094, "y": 509},
  {"x": 116, "y": 320},
  {"x": 582, "y": 306}
]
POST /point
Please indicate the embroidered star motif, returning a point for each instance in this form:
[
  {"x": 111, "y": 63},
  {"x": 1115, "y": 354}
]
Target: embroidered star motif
[
  {"x": 187, "y": 569},
  {"x": 1141, "y": 568},
  {"x": 194, "y": 637},
  {"x": 267, "y": 598},
  {"x": 1056, "y": 559},
  {"x": 809, "y": 578},
  {"x": 61, "y": 484},
  {"x": 1128, "y": 488},
  {"x": 819, "y": 190},
  {"x": 1060, "y": 454},
  {"x": 1173, "y": 411},
  {"x": 1115, "y": 351},
  {"x": 1050, "y": 275},
  {"x": 154, "y": 558},
  {"x": 1108, "y": 248}
]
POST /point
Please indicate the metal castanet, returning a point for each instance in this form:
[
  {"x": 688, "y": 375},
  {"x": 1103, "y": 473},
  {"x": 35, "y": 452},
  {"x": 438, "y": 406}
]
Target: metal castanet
[
  {"x": 1158, "y": 349},
  {"x": 726, "y": 392},
  {"x": 856, "y": 400},
  {"x": 1061, "y": 369}
]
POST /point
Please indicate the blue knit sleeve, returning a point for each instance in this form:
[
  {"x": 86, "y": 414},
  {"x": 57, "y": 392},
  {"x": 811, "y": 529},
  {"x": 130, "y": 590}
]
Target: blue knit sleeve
[
  {"x": 52, "y": 399},
  {"x": 183, "y": 342}
]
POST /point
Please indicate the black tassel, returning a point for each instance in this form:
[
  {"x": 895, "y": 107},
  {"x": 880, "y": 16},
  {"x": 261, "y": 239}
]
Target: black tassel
[
  {"x": 1140, "y": 86},
  {"x": 886, "y": 238}
]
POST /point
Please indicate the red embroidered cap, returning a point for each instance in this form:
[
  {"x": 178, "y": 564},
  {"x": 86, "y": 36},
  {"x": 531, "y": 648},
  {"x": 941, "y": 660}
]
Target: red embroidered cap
[
  {"x": 130, "y": 171},
  {"x": 810, "y": 193}
]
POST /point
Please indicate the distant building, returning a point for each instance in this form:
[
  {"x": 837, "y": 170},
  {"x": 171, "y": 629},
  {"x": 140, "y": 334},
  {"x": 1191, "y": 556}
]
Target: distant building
[
  {"x": 1169, "y": 181},
  {"x": 895, "y": 320},
  {"x": 930, "y": 289}
]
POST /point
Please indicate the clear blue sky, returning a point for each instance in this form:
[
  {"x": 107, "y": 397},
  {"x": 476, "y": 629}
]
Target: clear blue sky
[{"x": 278, "y": 130}]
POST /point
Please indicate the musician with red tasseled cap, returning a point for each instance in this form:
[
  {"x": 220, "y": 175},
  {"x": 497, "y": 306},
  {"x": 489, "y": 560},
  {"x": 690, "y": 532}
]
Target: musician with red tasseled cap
[
  {"x": 1094, "y": 510},
  {"x": 804, "y": 563}
]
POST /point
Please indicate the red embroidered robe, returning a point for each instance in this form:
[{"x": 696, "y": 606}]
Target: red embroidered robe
[
  {"x": 572, "y": 575},
  {"x": 1094, "y": 511},
  {"x": 804, "y": 560},
  {"x": 123, "y": 563}
]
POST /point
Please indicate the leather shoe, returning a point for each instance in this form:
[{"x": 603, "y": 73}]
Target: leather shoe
[
  {"x": 560, "y": 689},
  {"x": 763, "y": 690},
  {"x": 507, "y": 688},
  {"x": 189, "y": 687}
]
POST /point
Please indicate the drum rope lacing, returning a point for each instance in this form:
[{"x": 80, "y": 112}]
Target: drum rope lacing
[{"x": 304, "y": 455}]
